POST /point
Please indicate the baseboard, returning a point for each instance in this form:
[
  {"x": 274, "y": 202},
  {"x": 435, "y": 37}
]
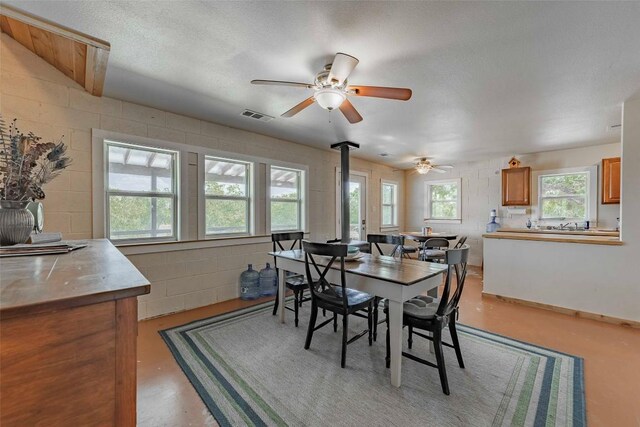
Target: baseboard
[{"x": 567, "y": 311}]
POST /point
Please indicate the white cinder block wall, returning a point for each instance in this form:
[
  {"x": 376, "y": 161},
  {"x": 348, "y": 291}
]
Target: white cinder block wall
[
  {"x": 50, "y": 105},
  {"x": 482, "y": 186}
]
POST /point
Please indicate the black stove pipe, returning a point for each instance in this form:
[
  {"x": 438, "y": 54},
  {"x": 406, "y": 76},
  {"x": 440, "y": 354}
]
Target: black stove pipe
[{"x": 344, "y": 148}]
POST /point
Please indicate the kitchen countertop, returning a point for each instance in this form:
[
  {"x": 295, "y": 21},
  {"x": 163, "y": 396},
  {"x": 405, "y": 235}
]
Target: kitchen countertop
[
  {"x": 561, "y": 238},
  {"x": 590, "y": 232},
  {"x": 97, "y": 273}
]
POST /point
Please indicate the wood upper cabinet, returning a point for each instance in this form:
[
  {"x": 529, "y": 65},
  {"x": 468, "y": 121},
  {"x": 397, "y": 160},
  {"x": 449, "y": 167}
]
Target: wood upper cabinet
[
  {"x": 611, "y": 180},
  {"x": 516, "y": 186}
]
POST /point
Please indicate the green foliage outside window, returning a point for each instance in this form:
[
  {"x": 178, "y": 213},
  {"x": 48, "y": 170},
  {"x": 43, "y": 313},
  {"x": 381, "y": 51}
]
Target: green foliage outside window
[
  {"x": 226, "y": 215},
  {"x": 284, "y": 212},
  {"x": 564, "y": 196},
  {"x": 131, "y": 217},
  {"x": 444, "y": 201}
]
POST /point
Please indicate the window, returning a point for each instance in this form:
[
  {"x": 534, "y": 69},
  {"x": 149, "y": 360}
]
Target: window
[
  {"x": 286, "y": 199},
  {"x": 443, "y": 201},
  {"x": 227, "y": 196},
  {"x": 389, "y": 204},
  {"x": 564, "y": 195},
  {"x": 141, "y": 192}
]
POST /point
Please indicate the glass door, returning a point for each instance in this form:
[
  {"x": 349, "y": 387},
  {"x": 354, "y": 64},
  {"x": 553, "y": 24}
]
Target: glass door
[{"x": 357, "y": 206}]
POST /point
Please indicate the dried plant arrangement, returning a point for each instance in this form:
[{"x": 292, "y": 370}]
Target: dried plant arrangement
[{"x": 27, "y": 164}]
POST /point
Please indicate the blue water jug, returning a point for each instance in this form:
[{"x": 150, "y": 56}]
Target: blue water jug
[
  {"x": 249, "y": 284},
  {"x": 268, "y": 281}
]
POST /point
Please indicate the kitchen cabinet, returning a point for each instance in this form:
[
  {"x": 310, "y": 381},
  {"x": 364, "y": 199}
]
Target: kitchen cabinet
[
  {"x": 516, "y": 186},
  {"x": 611, "y": 180}
]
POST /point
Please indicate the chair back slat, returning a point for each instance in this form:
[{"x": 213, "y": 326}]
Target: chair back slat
[
  {"x": 386, "y": 239},
  {"x": 321, "y": 288},
  {"x": 456, "y": 260}
]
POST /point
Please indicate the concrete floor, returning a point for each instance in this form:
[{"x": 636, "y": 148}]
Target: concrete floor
[{"x": 611, "y": 353}]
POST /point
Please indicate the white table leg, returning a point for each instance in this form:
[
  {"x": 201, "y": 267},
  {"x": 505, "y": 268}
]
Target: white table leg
[
  {"x": 281, "y": 294},
  {"x": 395, "y": 335}
]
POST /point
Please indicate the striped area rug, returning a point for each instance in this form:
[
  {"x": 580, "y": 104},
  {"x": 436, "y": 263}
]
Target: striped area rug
[{"x": 251, "y": 370}]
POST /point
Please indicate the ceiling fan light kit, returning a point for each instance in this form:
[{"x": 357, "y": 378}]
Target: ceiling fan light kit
[
  {"x": 330, "y": 98},
  {"x": 331, "y": 89},
  {"x": 424, "y": 166}
]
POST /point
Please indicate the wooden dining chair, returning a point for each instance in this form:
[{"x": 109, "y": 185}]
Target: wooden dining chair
[
  {"x": 433, "y": 315},
  {"x": 434, "y": 249},
  {"x": 296, "y": 282},
  {"x": 375, "y": 240},
  {"x": 335, "y": 298}
]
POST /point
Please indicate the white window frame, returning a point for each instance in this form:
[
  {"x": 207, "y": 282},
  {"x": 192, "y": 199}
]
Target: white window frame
[
  {"x": 173, "y": 195},
  {"x": 248, "y": 197},
  {"x": 301, "y": 200},
  {"x": 394, "y": 205},
  {"x": 427, "y": 198},
  {"x": 591, "y": 195},
  {"x": 191, "y": 235},
  {"x": 100, "y": 167}
]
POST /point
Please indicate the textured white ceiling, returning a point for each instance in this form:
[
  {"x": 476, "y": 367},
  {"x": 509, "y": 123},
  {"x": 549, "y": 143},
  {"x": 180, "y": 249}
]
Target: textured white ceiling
[{"x": 488, "y": 78}]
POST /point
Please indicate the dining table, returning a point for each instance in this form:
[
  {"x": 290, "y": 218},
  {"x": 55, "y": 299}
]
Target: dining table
[
  {"x": 420, "y": 237},
  {"x": 396, "y": 279}
]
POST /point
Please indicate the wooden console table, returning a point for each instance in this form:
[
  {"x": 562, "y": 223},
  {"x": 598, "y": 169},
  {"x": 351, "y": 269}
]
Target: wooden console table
[{"x": 68, "y": 327}]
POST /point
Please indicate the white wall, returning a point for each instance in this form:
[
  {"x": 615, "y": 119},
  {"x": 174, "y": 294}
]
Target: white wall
[
  {"x": 591, "y": 278},
  {"x": 481, "y": 191},
  {"x": 49, "y": 104}
]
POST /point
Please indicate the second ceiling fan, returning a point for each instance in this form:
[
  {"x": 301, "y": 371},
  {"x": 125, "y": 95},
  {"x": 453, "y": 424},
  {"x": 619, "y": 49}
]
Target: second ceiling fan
[{"x": 331, "y": 89}]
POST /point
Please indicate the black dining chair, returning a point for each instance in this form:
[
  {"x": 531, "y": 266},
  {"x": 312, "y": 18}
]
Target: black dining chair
[
  {"x": 336, "y": 298},
  {"x": 296, "y": 282},
  {"x": 375, "y": 240},
  {"x": 433, "y": 315},
  {"x": 434, "y": 249}
]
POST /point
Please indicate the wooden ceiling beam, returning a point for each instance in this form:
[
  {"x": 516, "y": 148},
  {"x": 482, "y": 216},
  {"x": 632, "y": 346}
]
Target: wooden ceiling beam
[{"x": 79, "y": 56}]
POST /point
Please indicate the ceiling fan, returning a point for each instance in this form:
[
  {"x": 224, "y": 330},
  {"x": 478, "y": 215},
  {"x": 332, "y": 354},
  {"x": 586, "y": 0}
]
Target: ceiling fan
[
  {"x": 331, "y": 89},
  {"x": 424, "y": 166}
]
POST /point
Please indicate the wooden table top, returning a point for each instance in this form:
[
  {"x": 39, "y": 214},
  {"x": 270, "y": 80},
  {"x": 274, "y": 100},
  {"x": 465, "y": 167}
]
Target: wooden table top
[
  {"x": 97, "y": 273},
  {"x": 385, "y": 268},
  {"x": 417, "y": 235}
]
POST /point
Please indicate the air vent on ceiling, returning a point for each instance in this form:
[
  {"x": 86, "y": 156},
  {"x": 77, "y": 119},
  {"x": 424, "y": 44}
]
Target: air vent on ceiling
[{"x": 258, "y": 116}]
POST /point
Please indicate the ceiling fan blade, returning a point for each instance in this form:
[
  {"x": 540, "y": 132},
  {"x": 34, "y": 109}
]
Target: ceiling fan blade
[
  {"x": 295, "y": 110},
  {"x": 281, "y": 83},
  {"x": 350, "y": 112},
  {"x": 438, "y": 170},
  {"x": 342, "y": 66},
  {"x": 402, "y": 94},
  {"x": 443, "y": 166}
]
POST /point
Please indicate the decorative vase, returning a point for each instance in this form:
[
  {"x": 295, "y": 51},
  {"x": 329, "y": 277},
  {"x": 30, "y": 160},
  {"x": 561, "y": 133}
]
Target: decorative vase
[{"x": 16, "y": 222}]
